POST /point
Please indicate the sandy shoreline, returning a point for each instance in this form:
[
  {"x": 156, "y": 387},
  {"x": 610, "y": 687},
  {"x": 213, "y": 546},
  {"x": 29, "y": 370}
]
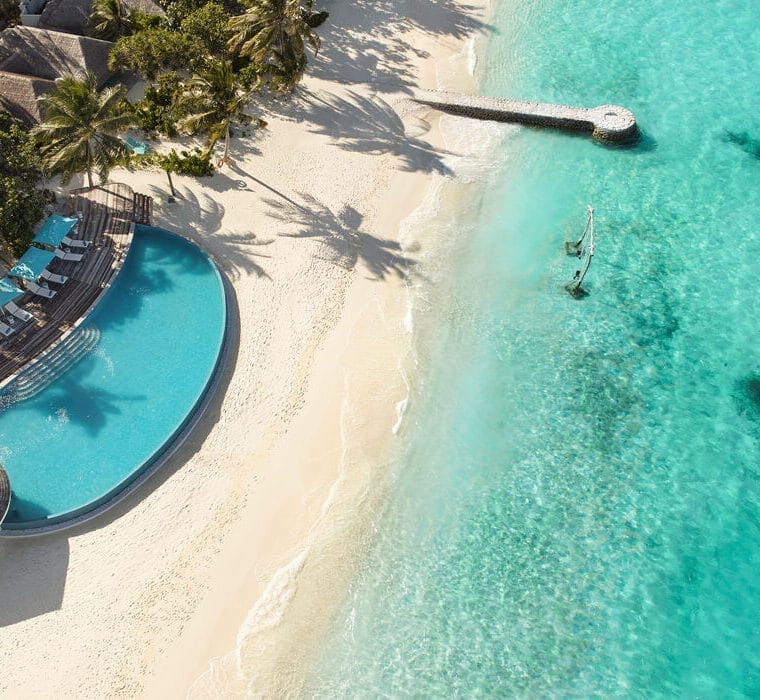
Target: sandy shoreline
[{"x": 238, "y": 550}]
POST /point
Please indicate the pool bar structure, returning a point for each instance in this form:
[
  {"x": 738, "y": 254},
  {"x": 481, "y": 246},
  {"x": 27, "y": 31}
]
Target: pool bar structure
[{"x": 607, "y": 124}]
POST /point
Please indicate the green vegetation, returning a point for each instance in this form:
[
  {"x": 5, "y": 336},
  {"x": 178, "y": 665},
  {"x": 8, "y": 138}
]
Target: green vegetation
[
  {"x": 230, "y": 47},
  {"x": 110, "y": 19},
  {"x": 80, "y": 129},
  {"x": 10, "y": 14},
  {"x": 154, "y": 50},
  {"x": 156, "y": 112},
  {"x": 211, "y": 101},
  {"x": 209, "y": 24},
  {"x": 274, "y": 35},
  {"x": 21, "y": 202},
  {"x": 195, "y": 162}
]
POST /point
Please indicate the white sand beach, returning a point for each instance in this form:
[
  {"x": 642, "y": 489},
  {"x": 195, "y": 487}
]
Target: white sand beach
[{"x": 221, "y": 573}]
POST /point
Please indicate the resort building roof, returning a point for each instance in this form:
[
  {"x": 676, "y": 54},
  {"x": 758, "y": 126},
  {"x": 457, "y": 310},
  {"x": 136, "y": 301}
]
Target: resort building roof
[
  {"x": 19, "y": 93},
  {"x": 31, "y": 59},
  {"x": 49, "y": 55},
  {"x": 73, "y": 15}
]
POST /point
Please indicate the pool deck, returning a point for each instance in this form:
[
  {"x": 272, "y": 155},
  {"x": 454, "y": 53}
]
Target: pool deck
[{"x": 109, "y": 214}]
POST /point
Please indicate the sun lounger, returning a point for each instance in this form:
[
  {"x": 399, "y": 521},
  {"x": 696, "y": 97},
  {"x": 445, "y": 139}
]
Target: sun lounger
[
  {"x": 6, "y": 330},
  {"x": 18, "y": 312},
  {"x": 74, "y": 243},
  {"x": 39, "y": 290},
  {"x": 52, "y": 277},
  {"x": 137, "y": 147},
  {"x": 69, "y": 257}
]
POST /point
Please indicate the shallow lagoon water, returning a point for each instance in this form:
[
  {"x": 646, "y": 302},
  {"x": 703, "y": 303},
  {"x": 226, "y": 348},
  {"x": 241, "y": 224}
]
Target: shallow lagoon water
[{"x": 576, "y": 508}]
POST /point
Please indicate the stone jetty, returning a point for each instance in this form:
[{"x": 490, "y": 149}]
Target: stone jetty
[{"x": 608, "y": 123}]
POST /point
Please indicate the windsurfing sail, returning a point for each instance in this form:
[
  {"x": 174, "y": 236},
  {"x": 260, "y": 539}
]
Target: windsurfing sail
[
  {"x": 584, "y": 253},
  {"x": 574, "y": 247}
]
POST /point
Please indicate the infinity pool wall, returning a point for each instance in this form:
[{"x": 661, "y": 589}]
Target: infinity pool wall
[{"x": 154, "y": 343}]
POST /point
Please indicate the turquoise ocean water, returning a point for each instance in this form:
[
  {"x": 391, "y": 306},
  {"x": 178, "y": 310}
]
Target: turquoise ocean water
[{"x": 576, "y": 511}]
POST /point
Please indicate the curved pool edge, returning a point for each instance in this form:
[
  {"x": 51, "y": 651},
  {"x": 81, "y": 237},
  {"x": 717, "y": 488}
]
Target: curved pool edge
[{"x": 151, "y": 466}]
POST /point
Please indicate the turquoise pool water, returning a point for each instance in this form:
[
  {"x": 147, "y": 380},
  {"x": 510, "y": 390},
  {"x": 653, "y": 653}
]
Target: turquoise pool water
[
  {"x": 153, "y": 344},
  {"x": 577, "y": 507}
]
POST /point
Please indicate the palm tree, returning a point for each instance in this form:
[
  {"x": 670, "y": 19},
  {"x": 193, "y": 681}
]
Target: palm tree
[
  {"x": 274, "y": 33},
  {"x": 212, "y": 100},
  {"x": 110, "y": 19},
  {"x": 80, "y": 126}
]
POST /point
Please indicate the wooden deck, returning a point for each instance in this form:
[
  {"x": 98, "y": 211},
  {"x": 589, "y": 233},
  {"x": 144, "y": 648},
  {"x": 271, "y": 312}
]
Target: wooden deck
[{"x": 108, "y": 223}]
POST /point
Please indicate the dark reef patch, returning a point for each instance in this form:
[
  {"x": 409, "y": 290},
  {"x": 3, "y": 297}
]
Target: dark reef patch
[{"x": 744, "y": 141}]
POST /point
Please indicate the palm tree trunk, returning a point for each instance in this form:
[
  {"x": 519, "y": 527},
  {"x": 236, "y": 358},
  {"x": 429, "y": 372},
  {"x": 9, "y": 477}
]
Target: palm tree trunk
[
  {"x": 226, "y": 155},
  {"x": 89, "y": 166},
  {"x": 171, "y": 184}
]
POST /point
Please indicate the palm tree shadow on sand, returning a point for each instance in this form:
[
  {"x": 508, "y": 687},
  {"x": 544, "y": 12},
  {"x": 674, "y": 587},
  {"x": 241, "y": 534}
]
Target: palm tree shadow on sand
[
  {"x": 204, "y": 216},
  {"x": 370, "y": 125},
  {"x": 234, "y": 254},
  {"x": 379, "y": 29},
  {"x": 341, "y": 235}
]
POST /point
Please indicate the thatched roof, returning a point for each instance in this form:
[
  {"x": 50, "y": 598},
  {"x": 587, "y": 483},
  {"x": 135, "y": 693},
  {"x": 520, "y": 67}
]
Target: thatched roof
[
  {"x": 73, "y": 15},
  {"x": 5, "y": 494},
  {"x": 49, "y": 55},
  {"x": 19, "y": 93}
]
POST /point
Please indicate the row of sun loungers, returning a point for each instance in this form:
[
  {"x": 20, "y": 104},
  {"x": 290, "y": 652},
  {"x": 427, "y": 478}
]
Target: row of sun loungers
[{"x": 36, "y": 282}]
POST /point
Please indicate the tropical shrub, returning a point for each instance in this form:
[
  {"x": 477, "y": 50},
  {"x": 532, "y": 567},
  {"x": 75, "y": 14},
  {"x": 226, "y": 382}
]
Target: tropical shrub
[
  {"x": 154, "y": 50},
  {"x": 21, "y": 200},
  {"x": 209, "y": 24},
  {"x": 196, "y": 162},
  {"x": 178, "y": 10},
  {"x": 10, "y": 14},
  {"x": 156, "y": 113},
  {"x": 144, "y": 20}
]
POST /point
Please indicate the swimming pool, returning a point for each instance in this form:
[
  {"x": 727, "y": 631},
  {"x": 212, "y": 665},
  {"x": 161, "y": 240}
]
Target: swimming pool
[{"x": 132, "y": 376}]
